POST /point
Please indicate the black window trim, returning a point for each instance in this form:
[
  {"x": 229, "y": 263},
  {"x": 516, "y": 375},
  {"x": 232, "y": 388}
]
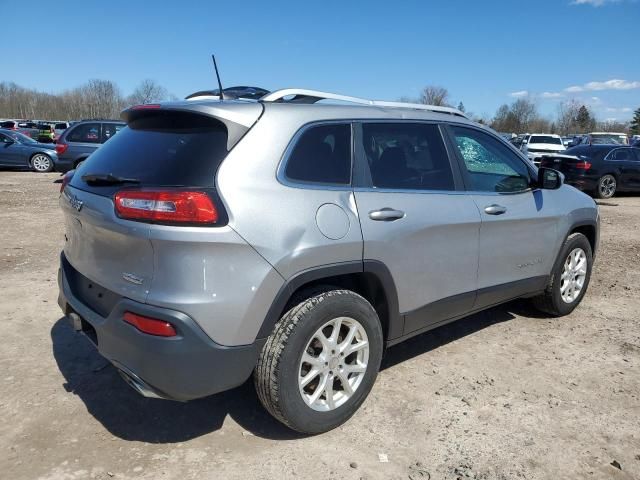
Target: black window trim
[
  {"x": 362, "y": 181},
  {"x": 281, "y": 175},
  {"x": 533, "y": 172}
]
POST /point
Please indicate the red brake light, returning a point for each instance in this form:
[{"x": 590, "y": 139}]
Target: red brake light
[
  {"x": 146, "y": 106},
  {"x": 584, "y": 165},
  {"x": 61, "y": 148},
  {"x": 165, "y": 206},
  {"x": 151, "y": 326}
]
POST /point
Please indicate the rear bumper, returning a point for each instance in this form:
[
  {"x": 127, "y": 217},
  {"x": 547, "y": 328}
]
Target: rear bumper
[
  {"x": 182, "y": 368},
  {"x": 582, "y": 183}
]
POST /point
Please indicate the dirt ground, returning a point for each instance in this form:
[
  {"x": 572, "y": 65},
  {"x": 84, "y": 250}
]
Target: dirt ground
[{"x": 506, "y": 394}]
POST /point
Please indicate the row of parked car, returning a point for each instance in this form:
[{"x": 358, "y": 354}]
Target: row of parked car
[
  {"x": 599, "y": 163},
  {"x": 74, "y": 144}
]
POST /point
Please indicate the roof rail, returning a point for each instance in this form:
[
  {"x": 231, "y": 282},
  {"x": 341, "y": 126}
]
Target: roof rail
[{"x": 301, "y": 95}]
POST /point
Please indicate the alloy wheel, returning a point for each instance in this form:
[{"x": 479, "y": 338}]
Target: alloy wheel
[
  {"x": 41, "y": 163},
  {"x": 573, "y": 275},
  {"x": 607, "y": 186},
  {"x": 333, "y": 364}
]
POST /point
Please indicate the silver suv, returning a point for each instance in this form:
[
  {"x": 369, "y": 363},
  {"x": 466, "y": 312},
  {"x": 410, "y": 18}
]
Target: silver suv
[{"x": 296, "y": 240}]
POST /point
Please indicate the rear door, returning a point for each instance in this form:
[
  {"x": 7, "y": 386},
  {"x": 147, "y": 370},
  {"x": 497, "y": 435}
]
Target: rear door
[
  {"x": 417, "y": 220},
  {"x": 518, "y": 236},
  {"x": 167, "y": 151}
]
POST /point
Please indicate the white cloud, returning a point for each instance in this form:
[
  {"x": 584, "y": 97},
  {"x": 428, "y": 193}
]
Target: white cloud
[
  {"x": 551, "y": 95},
  {"x": 519, "y": 94},
  {"x": 614, "y": 84},
  {"x": 593, "y": 3}
]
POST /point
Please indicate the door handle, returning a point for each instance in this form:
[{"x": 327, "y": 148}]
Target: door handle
[
  {"x": 386, "y": 215},
  {"x": 495, "y": 209}
]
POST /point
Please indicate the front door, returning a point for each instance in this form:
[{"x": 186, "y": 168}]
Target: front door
[
  {"x": 417, "y": 220},
  {"x": 11, "y": 153},
  {"x": 519, "y": 231}
]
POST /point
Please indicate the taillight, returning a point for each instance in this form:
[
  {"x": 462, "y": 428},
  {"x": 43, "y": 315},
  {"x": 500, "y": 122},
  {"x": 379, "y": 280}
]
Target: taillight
[
  {"x": 61, "y": 148},
  {"x": 66, "y": 178},
  {"x": 151, "y": 326},
  {"x": 166, "y": 206},
  {"x": 584, "y": 165}
]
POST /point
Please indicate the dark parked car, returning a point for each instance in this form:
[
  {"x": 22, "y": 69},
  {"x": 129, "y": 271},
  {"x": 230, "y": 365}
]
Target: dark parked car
[
  {"x": 82, "y": 139},
  {"x": 9, "y": 125},
  {"x": 601, "y": 170},
  {"x": 18, "y": 150}
]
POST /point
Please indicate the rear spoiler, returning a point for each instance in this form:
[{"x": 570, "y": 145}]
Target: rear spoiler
[{"x": 237, "y": 117}]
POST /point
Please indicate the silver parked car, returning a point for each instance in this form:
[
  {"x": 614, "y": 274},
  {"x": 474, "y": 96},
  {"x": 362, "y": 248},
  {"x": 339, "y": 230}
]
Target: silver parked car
[{"x": 296, "y": 240}]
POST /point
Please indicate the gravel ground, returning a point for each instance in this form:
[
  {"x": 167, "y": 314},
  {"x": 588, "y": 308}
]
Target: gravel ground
[{"x": 503, "y": 394}]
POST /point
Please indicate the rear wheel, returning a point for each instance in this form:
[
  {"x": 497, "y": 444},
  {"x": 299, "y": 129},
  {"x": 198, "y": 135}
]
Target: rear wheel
[
  {"x": 41, "y": 163},
  {"x": 607, "y": 186},
  {"x": 569, "y": 279},
  {"x": 320, "y": 362}
]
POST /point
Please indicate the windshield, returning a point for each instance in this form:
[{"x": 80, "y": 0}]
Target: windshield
[
  {"x": 545, "y": 139},
  {"x": 20, "y": 137}
]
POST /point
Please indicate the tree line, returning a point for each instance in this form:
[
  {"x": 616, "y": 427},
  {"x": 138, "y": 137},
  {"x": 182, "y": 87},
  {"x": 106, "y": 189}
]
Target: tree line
[
  {"x": 522, "y": 116},
  {"x": 94, "y": 99}
]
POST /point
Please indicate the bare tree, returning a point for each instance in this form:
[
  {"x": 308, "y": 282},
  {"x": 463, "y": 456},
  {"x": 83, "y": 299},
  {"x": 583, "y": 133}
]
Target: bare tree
[
  {"x": 148, "y": 92},
  {"x": 567, "y": 115},
  {"x": 432, "y": 95}
]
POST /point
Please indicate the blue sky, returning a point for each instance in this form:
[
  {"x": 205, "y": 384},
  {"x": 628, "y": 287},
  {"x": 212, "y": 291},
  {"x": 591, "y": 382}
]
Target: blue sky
[{"x": 486, "y": 53}]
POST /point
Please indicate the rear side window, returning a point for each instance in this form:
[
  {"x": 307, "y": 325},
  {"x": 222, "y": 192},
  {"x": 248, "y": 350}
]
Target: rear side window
[
  {"x": 407, "y": 156},
  {"x": 322, "y": 155},
  {"x": 622, "y": 154},
  {"x": 85, "y": 133},
  {"x": 160, "y": 150}
]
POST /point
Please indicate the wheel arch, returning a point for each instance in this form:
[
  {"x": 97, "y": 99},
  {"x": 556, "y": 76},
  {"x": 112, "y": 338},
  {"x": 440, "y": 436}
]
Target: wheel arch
[
  {"x": 589, "y": 230},
  {"x": 370, "y": 279}
]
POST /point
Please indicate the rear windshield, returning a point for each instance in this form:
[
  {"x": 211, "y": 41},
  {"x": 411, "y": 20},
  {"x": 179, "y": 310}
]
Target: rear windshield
[
  {"x": 164, "y": 149},
  {"x": 545, "y": 139}
]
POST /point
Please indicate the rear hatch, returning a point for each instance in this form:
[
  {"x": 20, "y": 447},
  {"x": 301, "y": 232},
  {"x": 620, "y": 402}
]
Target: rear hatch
[{"x": 166, "y": 157}]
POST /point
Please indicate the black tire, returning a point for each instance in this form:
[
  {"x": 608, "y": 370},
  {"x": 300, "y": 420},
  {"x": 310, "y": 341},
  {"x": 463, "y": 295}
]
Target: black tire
[
  {"x": 43, "y": 157},
  {"x": 278, "y": 369},
  {"x": 607, "y": 186},
  {"x": 551, "y": 301}
]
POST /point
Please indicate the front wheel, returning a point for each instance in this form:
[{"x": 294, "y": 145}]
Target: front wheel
[
  {"x": 320, "y": 362},
  {"x": 607, "y": 186},
  {"x": 41, "y": 163},
  {"x": 569, "y": 279}
]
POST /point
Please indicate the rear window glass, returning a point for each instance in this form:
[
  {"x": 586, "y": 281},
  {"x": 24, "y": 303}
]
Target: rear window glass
[
  {"x": 545, "y": 139},
  {"x": 61, "y": 126},
  {"x": 166, "y": 149},
  {"x": 322, "y": 155}
]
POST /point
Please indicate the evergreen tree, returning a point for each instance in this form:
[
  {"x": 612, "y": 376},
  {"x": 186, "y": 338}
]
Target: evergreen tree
[
  {"x": 461, "y": 107},
  {"x": 635, "y": 123},
  {"x": 584, "y": 119}
]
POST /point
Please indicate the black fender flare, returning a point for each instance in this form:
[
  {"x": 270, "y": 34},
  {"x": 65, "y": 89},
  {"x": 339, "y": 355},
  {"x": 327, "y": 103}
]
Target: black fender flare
[{"x": 378, "y": 269}]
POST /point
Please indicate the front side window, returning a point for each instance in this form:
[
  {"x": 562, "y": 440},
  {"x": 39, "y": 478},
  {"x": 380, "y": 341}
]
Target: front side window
[
  {"x": 407, "y": 156},
  {"x": 85, "y": 133},
  {"x": 322, "y": 155},
  {"x": 491, "y": 166}
]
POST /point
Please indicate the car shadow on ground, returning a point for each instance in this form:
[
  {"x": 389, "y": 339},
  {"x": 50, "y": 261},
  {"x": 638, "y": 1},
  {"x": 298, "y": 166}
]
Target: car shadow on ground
[{"x": 129, "y": 416}]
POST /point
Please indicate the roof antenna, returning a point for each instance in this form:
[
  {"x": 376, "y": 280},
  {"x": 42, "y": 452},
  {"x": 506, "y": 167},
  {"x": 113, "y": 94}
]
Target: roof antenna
[{"x": 215, "y": 65}]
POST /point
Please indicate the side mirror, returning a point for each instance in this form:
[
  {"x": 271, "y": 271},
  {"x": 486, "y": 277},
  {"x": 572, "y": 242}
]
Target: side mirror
[{"x": 549, "y": 179}]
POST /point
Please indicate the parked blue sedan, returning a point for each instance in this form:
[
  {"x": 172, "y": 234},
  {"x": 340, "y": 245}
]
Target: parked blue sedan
[{"x": 19, "y": 151}]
